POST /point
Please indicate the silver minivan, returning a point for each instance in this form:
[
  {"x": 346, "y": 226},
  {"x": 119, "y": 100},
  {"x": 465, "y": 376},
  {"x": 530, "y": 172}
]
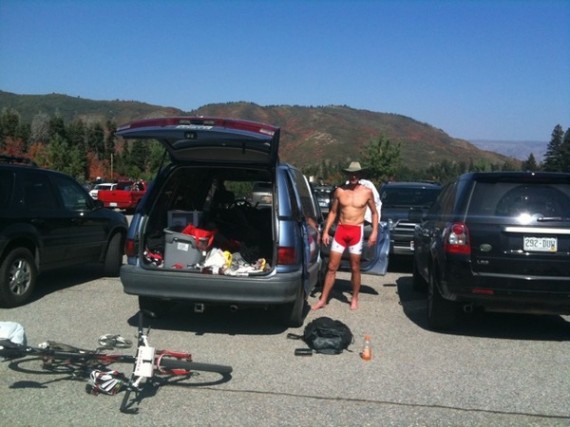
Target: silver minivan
[{"x": 197, "y": 236}]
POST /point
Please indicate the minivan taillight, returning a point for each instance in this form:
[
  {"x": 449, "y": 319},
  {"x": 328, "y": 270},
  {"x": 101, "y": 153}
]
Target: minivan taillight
[
  {"x": 286, "y": 256},
  {"x": 456, "y": 239},
  {"x": 130, "y": 248}
]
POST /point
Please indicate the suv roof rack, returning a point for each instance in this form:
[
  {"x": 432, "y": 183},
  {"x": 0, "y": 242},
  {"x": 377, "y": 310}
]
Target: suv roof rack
[{"x": 24, "y": 161}]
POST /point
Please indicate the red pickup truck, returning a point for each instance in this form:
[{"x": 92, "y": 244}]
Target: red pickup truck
[{"x": 125, "y": 196}]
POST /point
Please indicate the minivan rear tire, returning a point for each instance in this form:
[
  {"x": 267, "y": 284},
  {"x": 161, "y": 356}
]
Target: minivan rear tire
[{"x": 293, "y": 314}]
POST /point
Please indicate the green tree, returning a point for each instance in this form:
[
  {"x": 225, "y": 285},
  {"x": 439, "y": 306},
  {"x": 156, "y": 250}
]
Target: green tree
[
  {"x": 529, "y": 164},
  {"x": 157, "y": 158},
  {"x": 77, "y": 137},
  {"x": 96, "y": 140},
  {"x": 65, "y": 158},
  {"x": 509, "y": 166},
  {"x": 565, "y": 152},
  {"x": 553, "y": 156},
  {"x": 9, "y": 122},
  {"x": 40, "y": 128},
  {"x": 140, "y": 152},
  {"x": 57, "y": 127},
  {"x": 110, "y": 137},
  {"x": 381, "y": 158}
]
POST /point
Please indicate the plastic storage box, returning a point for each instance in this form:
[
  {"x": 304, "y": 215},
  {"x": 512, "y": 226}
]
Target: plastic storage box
[{"x": 180, "y": 250}]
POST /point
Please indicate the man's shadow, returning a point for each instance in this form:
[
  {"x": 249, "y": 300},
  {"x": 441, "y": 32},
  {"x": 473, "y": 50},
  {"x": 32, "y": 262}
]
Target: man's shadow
[{"x": 342, "y": 291}]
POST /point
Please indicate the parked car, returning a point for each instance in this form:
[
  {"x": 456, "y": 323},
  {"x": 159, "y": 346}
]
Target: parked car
[
  {"x": 196, "y": 237},
  {"x": 500, "y": 241},
  {"x": 323, "y": 194},
  {"x": 262, "y": 194},
  {"x": 48, "y": 221},
  {"x": 94, "y": 192},
  {"x": 125, "y": 196},
  {"x": 398, "y": 200}
]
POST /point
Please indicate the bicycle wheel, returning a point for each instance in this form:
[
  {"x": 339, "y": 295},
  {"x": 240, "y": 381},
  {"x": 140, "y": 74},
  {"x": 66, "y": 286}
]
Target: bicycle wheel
[
  {"x": 169, "y": 363},
  {"x": 37, "y": 366}
]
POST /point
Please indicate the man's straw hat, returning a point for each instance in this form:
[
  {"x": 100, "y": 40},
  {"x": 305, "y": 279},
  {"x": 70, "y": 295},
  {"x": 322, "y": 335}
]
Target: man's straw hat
[{"x": 354, "y": 167}]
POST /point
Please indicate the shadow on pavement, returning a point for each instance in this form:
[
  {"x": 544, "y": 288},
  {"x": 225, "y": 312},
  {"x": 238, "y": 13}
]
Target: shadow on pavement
[{"x": 65, "y": 278}]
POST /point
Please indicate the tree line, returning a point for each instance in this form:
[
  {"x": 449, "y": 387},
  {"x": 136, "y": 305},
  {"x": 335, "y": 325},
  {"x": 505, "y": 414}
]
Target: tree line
[
  {"x": 383, "y": 163},
  {"x": 87, "y": 150}
]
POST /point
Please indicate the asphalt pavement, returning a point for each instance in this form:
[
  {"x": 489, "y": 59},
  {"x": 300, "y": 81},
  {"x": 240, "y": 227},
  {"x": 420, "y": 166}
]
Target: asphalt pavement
[{"x": 495, "y": 369}]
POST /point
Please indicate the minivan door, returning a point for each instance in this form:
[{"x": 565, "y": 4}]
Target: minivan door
[{"x": 309, "y": 229}]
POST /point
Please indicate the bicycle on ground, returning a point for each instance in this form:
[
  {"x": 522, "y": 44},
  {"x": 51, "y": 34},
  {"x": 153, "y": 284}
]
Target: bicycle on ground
[{"x": 151, "y": 367}]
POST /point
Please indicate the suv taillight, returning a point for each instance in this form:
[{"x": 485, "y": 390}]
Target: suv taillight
[
  {"x": 286, "y": 256},
  {"x": 456, "y": 239}
]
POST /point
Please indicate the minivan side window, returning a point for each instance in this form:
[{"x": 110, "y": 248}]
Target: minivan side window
[{"x": 307, "y": 204}]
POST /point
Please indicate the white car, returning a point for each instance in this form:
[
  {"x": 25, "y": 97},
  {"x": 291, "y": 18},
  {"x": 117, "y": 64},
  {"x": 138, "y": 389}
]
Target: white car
[{"x": 105, "y": 186}]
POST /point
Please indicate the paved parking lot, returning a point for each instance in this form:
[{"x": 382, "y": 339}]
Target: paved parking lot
[{"x": 494, "y": 370}]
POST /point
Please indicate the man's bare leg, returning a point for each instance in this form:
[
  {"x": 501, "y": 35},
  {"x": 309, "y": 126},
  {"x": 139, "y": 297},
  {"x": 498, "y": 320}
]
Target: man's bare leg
[
  {"x": 356, "y": 280},
  {"x": 334, "y": 262}
]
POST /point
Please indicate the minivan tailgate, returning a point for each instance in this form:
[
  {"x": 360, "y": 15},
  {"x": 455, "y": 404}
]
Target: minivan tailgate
[{"x": 209, "y": 139}]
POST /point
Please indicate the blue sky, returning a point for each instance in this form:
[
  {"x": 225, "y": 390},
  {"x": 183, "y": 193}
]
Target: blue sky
[{"x": 493, "y": 69}]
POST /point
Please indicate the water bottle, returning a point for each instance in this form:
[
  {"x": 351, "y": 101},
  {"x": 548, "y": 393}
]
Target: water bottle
[{"x": 366, "y": 353}]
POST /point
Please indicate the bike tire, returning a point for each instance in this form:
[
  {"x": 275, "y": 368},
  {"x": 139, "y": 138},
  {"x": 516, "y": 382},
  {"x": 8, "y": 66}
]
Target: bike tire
[
  {"x": 34, "y": 365},
  {"x": 167, "y": 363},
  {"x": 67, "y": 361}
]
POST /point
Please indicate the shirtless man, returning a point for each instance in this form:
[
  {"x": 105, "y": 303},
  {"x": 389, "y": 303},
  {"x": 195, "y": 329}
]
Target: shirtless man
[{"x": 349, "y": 203}]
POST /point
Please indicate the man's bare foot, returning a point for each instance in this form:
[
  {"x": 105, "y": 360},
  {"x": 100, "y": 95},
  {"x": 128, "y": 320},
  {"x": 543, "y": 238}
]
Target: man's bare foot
[
  {"x": 354, "y": 304},
  {"x": 318, "y": 305}
]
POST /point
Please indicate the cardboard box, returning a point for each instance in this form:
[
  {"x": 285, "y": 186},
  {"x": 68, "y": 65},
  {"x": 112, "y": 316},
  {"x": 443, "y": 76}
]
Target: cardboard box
[{"x": 180, "y": 250}]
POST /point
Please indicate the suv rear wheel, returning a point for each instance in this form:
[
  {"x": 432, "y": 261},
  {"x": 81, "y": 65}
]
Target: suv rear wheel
[
  {"x": 114, "y": 257},
  {"x": 441, "y": 312},
  {"x": 418, "y": 282},
  {"x": 18, "y": 274}
]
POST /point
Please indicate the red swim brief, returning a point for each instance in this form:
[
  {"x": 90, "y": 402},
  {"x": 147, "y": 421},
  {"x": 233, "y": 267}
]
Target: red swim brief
[{"x": 351, "y": 236}]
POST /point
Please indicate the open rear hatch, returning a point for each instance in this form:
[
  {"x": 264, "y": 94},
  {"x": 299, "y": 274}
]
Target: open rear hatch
[{"x": 209, "y": 140}]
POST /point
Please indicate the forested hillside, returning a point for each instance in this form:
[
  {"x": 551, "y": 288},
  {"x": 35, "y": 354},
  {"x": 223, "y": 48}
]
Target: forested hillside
[{"x": 318, "y": 139}]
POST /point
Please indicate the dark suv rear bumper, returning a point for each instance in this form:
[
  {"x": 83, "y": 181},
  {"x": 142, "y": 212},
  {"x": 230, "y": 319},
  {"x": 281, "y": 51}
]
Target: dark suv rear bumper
[
  {"x": 279, "y": 288},
  {"x": 508, "y": 292}
]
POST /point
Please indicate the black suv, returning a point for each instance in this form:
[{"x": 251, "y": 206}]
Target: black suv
[
  {"x": 225, "y": 222},
  {"x": 399, "y": 199},
  {"x": 497, "y": 240},
  {"x": 48, "y": 221}
]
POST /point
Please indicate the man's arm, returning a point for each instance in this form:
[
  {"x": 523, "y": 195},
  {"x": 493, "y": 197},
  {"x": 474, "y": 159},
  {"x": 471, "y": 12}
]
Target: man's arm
[{"x": 331, "y": 218}]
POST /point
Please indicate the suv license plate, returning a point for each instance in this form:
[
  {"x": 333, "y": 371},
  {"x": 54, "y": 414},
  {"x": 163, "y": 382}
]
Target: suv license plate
[{"x": 540, "y": 244}]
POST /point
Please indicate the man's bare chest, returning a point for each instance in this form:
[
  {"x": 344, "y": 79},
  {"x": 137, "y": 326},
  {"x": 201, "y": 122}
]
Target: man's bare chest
[{"x": 352, "y": 198}]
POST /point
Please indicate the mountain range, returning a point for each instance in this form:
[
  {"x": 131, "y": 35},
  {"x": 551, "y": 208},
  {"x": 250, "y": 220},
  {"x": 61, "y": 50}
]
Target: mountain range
[
  {"x": 517, "y": 149},
  {"x": 309, "y": 134}
]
